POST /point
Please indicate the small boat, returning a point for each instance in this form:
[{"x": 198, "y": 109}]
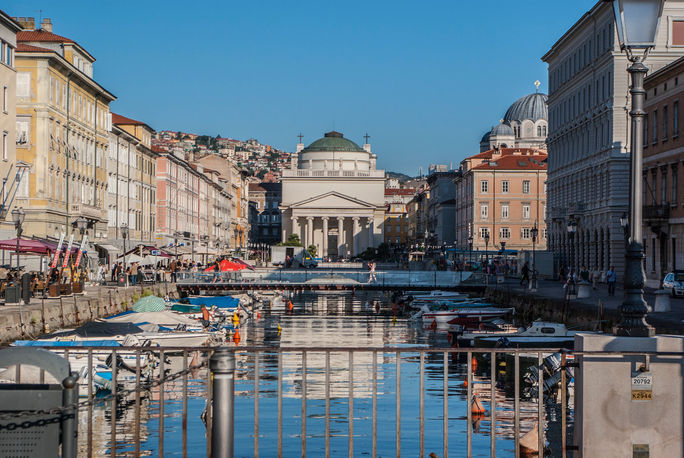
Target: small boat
[
  {"x": 467, "y": 315},
  {"x": 540, "y": 334}
]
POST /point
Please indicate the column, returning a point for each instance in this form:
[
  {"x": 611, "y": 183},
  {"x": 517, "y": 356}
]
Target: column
[
  {"x": 309, "y": 231},
  {"x": 284, "y": 234},
  {"x": 324, "y": 247},
  {"x": 371, "y": 236},
  {"x": 356, "y": 230},
  {"x": 340, "y": 236},
  {"x": 295, "y": 227}
]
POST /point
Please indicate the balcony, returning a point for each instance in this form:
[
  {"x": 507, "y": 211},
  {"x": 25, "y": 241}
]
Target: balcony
[
  {"x": 656, "y": 212},
  {"x": 289, "y": 173},
  {"x": 87, "y": 211},
  {"x": 558, "y": 213},
  {"x": 577, "y": 208}
]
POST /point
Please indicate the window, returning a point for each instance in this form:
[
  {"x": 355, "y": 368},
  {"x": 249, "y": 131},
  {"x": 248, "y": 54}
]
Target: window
[
  {"x": 505, "y": 233},
  {"x": 526, "y": 211},
  {"x": 675, "y": 119},
  {"x": 539, "y": 131},
  {"x": 665, "y": 122},
  {"x": 504, "y": 211},
  {"x": 526, "y": 186},
  {"x": 4, "y": 99},
  {"x": 645, "y": 133},
  {"x": 4, "y": 145},
  {"x": 654, "y": 177},
  {"x": 678, "y": 33},
  {"x": 674, "y": 185},
  {"x": 655, "y": 126},
  {"x": 23, "y": 134},
  {"x": 484, "y": 232},
  {"x": 504, "y": 186},
  {"x": 525, "y": 233},
  {"x": 484, "y": 186},
  {"x": 23, "y": 84},
  {"x": 484, "y": 211},
  {"x": 663, "y": 186}
]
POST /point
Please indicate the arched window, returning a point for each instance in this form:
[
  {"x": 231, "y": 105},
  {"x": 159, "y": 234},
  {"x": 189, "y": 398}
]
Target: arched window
[{"x": 539, "y": 131}]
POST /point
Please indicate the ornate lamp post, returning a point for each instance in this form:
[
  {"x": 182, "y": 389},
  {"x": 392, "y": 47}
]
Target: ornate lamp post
[
  {"x": 533, "y": 283},
  {"x": 470, "y": 246},
  {"x": 81, "y": 224},
  {"x": 636, "y": 24},
  {"x": 18, "y": 215},
  {"x": 572, "y": 229},
  {"x": 486, "y": 266},
  {"x": 124, "y": 235}
]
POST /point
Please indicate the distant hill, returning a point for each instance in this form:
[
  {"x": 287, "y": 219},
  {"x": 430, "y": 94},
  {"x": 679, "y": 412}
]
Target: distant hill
[{"x": 399, "y": 176}]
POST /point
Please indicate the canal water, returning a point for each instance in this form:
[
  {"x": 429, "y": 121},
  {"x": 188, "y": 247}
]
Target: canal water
[{"x": 323, "y": 320}]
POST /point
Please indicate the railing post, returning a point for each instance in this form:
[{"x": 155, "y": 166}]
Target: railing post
[
  {"x": 222, "y": 365},
  {"x": 69, "y": 420}
]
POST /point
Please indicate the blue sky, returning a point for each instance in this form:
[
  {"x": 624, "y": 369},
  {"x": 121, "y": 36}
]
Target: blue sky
[{"x": 424, "y": 79}]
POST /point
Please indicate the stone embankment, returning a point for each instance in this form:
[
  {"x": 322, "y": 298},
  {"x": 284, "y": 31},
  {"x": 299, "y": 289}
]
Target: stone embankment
[{"x": 43, "y": 316}]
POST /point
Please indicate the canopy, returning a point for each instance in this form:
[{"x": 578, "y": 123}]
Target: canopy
[
  {"x": 103, "y": 328},
  {"x": 152, "y": 260},
  {"x": 221, "y": 302},
  {"x": 31, "y": 246},
  {"x": 186, "y": 308},
  {"x": 131, "y": 258},
  {"x": 159, "y": 318},
  {"x": 150, "y": 304}
]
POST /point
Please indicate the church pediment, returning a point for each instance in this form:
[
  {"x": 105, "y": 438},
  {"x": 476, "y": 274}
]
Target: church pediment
[{"x": 332, "y": 200}]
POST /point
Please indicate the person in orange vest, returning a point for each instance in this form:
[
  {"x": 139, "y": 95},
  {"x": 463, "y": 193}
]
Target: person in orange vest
[{"x": 290, "y": 306}]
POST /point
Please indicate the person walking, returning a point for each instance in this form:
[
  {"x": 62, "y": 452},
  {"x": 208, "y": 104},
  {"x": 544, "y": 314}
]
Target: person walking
[
  {"x": 584, "y": 274},
  {"x": 134, "y": 274},
  {"x": 173, "y": 267},
  {"x": 525, "y": 277},
  {"x": 610, "y": 278}
]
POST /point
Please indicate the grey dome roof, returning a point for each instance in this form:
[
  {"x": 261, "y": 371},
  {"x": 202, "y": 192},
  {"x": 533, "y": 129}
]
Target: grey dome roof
[
  {"x": 333, "y": 141},
  {"x": 532, "y": 106},
  {"x": 485, "y": 137},
  {"x": 502, "y": 129}
]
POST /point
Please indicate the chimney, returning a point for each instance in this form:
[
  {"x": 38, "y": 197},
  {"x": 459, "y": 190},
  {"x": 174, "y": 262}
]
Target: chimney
[
  {"x": 46, "y": 25},
  {"x": 30, "y": 23}
]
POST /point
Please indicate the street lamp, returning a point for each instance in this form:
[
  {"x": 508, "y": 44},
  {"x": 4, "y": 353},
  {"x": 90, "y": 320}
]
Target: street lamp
[
  {"x": 624, "y": 223},
  {"x": 533, "y": 283},
  {"x": 124, "y": 235},
  {"x": 486, "y": 237},
  {"x": 81, "y": 224},
  {"x": 470, "y": 246},
  {"x": 637, "y": 24},
  {"x": 572, "y": 228},
  {"x": 18, "y": 215}
]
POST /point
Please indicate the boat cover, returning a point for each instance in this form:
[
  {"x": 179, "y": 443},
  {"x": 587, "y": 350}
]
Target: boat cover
[
  {"x": 66, "y": 343},
  {"x": 159, "y": 318},
  {"x": 106, "y": 328},
  {"x": 149, "y": 304},
  {"x": 222, "y": 302}
]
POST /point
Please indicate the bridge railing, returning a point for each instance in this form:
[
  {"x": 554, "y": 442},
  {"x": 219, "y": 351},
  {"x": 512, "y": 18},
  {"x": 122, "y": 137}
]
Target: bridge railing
[{"x": 402, "y": 278}]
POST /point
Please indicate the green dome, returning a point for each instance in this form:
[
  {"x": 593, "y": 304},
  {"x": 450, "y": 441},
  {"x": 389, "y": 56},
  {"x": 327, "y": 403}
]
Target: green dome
[{"x": 333, "y": 141}]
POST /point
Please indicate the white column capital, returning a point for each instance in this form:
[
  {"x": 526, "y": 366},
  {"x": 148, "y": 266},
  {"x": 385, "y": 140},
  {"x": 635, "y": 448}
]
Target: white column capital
[
  {"x": 325, "y": 218},
  {"x": 309, "y": 218},
  {"x": 294, "y": 218},
  {"x": 340, "y": 218},
  {"x": 356, "y": 219}
]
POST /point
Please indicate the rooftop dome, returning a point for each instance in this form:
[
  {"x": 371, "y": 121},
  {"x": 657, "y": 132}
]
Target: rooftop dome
[
  {"x": 532, "y": 106},
  {"x": 485, "y": 137},
  {"x": 335, "y": 142},
  {"x": 501, "y": 129}
]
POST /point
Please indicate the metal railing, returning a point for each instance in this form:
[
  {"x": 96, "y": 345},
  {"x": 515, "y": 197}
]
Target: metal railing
[{"x": 318, "y": 377}]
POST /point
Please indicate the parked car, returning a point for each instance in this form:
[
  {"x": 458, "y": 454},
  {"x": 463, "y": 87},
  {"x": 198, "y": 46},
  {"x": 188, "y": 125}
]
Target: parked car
[{"x": 674, "y": 281}]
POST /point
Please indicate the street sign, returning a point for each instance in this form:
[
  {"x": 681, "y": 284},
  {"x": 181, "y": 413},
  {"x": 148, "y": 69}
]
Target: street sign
[
  {"x": 156, "y": 253},
  {"x": 642, "y": 386}
]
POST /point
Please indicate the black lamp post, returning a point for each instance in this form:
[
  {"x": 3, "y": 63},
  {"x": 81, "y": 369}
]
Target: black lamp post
[
  {"x": 124, "y": 235},
  {"x": 533, "y": 283},
  {"x": 81, "y": 224},
  {"x": 624, "y": 223},
  {"x": 18, "y": 215},
  {"x": 486, "y": 237},
  {"x": 636, "y": 24},
  {"x": 572, "y": 229}
]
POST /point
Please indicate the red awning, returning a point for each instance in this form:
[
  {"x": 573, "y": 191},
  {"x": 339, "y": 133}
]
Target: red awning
[{"x": 230, "y": 266}]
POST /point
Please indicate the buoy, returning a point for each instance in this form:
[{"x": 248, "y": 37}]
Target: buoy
[
  {"x": 465, "y": 383},
  {"x": 473, "y": 364},
  {"x": 236, "y": 337},
  {"x": 394, "y": 319},
  {"x": 433, "y": 326},
  {"x": 279, "y": 329},
  {"x": 477, "y": 407},
  {"x": 258, "y": 315},
  {"x": 529, "y": 442},
  {"x": 289, "y": 305}
]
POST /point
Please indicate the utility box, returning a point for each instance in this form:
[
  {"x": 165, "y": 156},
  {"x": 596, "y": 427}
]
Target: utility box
[
  {"x": 12, "y": 294},
  {"x": 26, "y": 288},
  {"x": 39, "y": 435}
]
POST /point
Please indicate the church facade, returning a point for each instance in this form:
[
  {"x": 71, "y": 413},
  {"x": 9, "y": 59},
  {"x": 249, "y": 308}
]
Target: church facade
[{"x": 333, "y": 197}]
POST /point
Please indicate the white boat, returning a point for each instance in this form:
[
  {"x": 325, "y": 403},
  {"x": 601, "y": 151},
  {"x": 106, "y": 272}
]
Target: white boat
[
  {"x": 465, "y": 315},
  {"x": 540, "y": 334}
]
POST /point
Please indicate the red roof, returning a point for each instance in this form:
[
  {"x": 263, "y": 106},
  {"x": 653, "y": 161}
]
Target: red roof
[
  {"x": 157, "y": 149},
  {"x": 118, "y": 119},
  {"x": 399, "y": 191},
  {"x": 21, "y": 47},
  {"x": 515, "y": 162},
  {"x": 42, "y": 35}
]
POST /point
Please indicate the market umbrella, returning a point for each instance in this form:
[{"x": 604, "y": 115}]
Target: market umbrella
[
  {"x": 152, "y": 260},
  {"x": 150, "y": 304}
]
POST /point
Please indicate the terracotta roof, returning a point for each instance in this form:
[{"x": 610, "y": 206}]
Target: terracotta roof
[
  {"x": 399, "y": 191},
  {"x": 156, "y": 149},
  {"x": 21, "y": 47},
  {"x": 508, "y": 151},
  {"x": 256, "y": 187},
  {"x": 511, "y": 162},
  {"x": 118, "y": 119},
  {"x": 42, "y": 35}
]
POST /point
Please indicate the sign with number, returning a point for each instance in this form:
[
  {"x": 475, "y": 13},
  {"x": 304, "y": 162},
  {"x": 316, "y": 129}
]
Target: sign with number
[
  {"x": 642, "y": 386},
  {"x": 156, "y": 253}
]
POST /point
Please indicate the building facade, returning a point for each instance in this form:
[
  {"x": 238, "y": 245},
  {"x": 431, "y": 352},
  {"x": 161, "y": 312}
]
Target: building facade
[
  {"x": 132, "y": 180},
  {"x": 8, "y": 112},
  {"x": 501, "y": 194},
  {"x": 333, "y": 197},
  {"x": 417, "y": 213},
  {"x": 441, "y": 207},
  {"x": 663, "y": 193},
  {"x": 62, "y": 134},
  {"x": 396, "y": 216},
  {"x": 265, "y": 218},
  {"x": 588, "y": 141}
]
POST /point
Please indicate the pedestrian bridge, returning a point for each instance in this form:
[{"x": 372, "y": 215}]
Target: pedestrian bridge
[{"x": 327, "y": 279}]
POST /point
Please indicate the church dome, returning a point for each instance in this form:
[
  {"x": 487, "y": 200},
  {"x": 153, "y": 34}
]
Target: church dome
[
  {"x": 501, "y": 129},
  {"x": 485, "y": 137},
  {"x": 532, "y": 106},
  {"x": 333, "y": 142}
]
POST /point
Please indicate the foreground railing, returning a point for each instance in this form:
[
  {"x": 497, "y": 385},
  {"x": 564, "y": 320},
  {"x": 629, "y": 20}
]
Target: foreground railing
[{"x": 154, "y": 390}]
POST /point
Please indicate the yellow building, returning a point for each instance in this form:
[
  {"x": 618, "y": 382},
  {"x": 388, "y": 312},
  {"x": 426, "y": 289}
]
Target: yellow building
[{"x": 63, "y": 123}]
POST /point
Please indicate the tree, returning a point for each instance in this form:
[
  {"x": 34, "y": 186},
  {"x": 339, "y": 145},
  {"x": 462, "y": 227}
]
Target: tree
[
  {"x": 313, "y": 251},
  {"x": 292, "y": 240}
]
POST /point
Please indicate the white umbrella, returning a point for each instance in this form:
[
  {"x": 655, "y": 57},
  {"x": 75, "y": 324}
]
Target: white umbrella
[
  {"x": 131, "y": 258},
  {"x": 152, "y": 260}
]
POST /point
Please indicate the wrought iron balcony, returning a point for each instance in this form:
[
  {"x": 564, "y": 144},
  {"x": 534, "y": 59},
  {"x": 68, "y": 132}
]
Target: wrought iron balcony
[{"x": 656, "y": 212}]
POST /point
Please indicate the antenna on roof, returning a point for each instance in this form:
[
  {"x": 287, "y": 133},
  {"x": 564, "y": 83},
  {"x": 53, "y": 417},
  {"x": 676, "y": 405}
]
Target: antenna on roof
[{"x": 537, "y": 84}]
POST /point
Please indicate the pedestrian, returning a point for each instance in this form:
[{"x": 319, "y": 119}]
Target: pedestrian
[
  {"x": 584, "y": 274},
  {"x": 563, "y": 272},
  {"x": 525, "y": 277},
  {"x": 610, "y": 278},
  {"x": 173, "y": 267},
  {"x": 595, "y": 277}
]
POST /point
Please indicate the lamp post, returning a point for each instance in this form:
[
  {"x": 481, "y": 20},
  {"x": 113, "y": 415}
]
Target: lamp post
[
  {"x": 470, "y": 247},
  {"x": 533, "y": 283},
  {"x": 636, "y": 24},
  {"x": 124, "y": 235},
  {"x": 18, "y": 215},
  {"x": 486, "y": 266},
  {"x": 624, "y": 223}
]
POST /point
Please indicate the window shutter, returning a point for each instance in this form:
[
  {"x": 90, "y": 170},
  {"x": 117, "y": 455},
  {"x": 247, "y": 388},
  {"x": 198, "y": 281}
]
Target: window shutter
[{"x": 23, "y": 84}]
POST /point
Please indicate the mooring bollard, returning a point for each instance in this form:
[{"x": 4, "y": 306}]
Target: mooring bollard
[
  {"x": 69, "y": 419},
  {"x": 222, "y": 365}
]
